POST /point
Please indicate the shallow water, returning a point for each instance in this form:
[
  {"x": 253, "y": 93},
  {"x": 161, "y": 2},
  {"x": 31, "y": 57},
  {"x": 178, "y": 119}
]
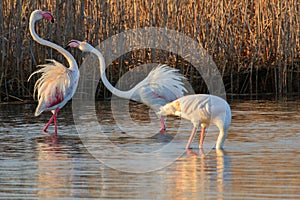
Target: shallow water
[{"x": 116, "y": 160}]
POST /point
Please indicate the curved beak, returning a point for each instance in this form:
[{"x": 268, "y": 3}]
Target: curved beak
[
  {"x": 74, "y": 43},
  {"x": 52, "y": 20},
  {"x": 48, "y": 16}
]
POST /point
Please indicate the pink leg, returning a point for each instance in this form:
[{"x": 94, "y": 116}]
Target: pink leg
[
  {"x": 202, "y": 136},
  {"x": 163, "y": 126},
  {"x": 55, "y": 121},
  {"x": 51, "y": 119},
  {"x": 49, "y": 122},
  {"x": 191, "y": 138}
]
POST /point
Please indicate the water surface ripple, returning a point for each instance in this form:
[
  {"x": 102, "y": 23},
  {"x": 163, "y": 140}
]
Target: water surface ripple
[{"x": 260, "y": 158}]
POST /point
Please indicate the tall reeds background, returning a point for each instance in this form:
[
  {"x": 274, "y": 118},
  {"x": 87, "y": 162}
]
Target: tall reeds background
[{"x": 254, "y": 43}]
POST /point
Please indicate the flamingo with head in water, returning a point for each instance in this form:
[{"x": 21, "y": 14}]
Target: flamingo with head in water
[
  {"x": 162, "y": 85},
  {"x": 202, "y": 109},
  {"x": 57, "y": 83}
]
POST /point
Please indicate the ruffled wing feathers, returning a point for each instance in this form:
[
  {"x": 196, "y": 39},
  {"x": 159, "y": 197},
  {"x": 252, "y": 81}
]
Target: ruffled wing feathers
[
  {"x": 164, "y": 79},
  {"x": 51, "y": 86}
]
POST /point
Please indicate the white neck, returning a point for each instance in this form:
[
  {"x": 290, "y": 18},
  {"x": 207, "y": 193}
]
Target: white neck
[
  {"x": 72, "y": 63},
  {"x": 123, "y": 94}
]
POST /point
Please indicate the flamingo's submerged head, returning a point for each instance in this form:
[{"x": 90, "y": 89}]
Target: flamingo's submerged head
[
  {"x": 83, "y": 46},
  {"x": 39, "y": 14}
]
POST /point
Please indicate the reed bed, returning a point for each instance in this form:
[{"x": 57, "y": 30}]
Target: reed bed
[{"x": 254, "y": 43}]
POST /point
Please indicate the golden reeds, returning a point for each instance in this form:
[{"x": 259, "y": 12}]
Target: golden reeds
[{"x": 254, "y": 43}]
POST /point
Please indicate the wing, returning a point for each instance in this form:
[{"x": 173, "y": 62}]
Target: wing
[
  {"x": 166, "y": 82},
  {"x": 51, "y": 87}
]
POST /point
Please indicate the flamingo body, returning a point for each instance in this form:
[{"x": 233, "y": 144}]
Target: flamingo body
[
  {"x": 162, "y": 85},
  {"x": 57, "y": 84},
  {"x": 55, "y": 87},
  {"x": 202, "y": 109}
]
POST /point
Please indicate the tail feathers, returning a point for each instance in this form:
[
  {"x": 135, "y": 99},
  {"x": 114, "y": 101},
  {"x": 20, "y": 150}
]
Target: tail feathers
[
  {"x": 38, "y": 111},
  {"x": 40, "y": 108}
]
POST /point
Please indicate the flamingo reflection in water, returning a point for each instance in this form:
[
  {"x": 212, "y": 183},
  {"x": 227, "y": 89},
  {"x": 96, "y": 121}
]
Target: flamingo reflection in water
[{"x": 199, "y": 173}]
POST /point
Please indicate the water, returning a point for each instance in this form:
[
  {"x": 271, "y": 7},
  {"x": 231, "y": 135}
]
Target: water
[{"x": 260, "y": 158}]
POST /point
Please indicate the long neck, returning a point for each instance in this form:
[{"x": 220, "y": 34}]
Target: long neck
[
  {"x": 112, "y": 89},
  {"x": 72, "y": 63}
]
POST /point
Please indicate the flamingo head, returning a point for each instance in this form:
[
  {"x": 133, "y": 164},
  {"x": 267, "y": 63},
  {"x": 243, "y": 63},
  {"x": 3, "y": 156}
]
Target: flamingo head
[
  {"x": 83, "y": 46},
  {"x": 172, "y": 108},
  {"x": 166, "y": 110},
  {"x": 39, "y": 14}
]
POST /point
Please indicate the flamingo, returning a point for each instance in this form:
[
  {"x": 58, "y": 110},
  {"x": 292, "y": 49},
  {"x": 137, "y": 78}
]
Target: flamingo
[
  {"x": 162, "y": 85},
  {"x": 201, "y": 109},
  {"x": 57, "y": 84}
]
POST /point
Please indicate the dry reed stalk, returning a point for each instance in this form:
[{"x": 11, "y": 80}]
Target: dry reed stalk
[{"x": 254, "y": 43}]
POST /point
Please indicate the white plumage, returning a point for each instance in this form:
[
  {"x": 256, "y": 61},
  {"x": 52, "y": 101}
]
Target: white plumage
[
  {"x": 202, "y": 109},
  {"x": 162, "y": 85},
  {"x": 166, "y": 81}
]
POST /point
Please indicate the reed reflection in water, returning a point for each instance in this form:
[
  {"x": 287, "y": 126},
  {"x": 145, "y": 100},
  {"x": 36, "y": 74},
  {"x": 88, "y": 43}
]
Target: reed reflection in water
[{"x": 260, "y": 158}]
